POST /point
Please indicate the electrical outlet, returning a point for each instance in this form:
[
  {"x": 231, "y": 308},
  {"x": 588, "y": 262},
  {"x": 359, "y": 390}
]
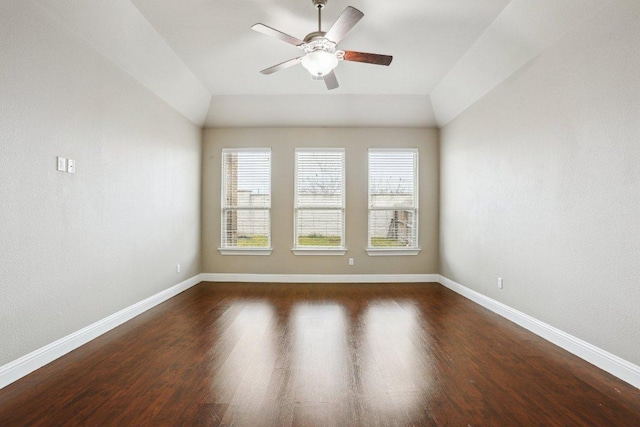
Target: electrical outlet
[
  {"x": 500, "y": 283},
  {"x": 350, "y": 261},
  {"x": 177, "y": 268},
  {"x": 71, "y": 166}
]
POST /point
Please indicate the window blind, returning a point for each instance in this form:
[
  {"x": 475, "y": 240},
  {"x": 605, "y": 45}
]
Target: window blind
[
  {"x": 393, "y": 198},
  {"x": 319, "y": 198},
  {"x": 246, "y": 198}
]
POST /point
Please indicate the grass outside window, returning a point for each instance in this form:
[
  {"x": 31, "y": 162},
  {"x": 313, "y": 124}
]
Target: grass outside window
[
  {"x": 319, "y": 241},
  {"x": 316, "y": 240},
  {"x": 386, "y": 242},
  {"x": 253, "y": 241}
]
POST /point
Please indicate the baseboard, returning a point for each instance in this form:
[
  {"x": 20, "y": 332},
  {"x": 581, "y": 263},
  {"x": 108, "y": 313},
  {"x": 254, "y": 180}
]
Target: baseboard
[
  {"x": 28, "y": 363},
  {"x": 320, "y": 278},
  {"x": 604, "y": 360}
]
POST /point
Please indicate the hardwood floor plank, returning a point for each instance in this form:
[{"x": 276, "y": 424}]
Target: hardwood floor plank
[{"x": 224, "y": 354}]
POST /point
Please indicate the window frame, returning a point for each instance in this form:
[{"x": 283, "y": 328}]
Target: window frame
[
  {"x": 401, "y": 250},
  {"x": 243, "y": 250},
  {"x": 319, "y": 250}
]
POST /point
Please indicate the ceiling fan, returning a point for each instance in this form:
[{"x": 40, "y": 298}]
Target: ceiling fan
[{"x": 321, "y": 56}]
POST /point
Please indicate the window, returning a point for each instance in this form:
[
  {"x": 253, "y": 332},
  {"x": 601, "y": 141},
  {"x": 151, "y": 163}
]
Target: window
[
  {"x": 246, "y": 202},
  {"x": 319, "y": 202},
  {"x": 393, "y": 202}
]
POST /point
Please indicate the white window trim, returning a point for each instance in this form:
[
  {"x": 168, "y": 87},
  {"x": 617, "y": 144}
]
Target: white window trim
[
  {"x": 239, "y": 250},
  {"x": 245, "y": 251},
  {"x": 393, "y": 252},
  {"x": 319, "y": 250},
  {"x": 397, "y": 251}
]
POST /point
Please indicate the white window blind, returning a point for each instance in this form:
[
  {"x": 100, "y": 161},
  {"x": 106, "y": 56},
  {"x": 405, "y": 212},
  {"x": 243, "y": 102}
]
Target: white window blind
[
  {"x": 246, "y": 198},
  {"x": 319, "y": 198},
  {"x": 393, "y": 198}
]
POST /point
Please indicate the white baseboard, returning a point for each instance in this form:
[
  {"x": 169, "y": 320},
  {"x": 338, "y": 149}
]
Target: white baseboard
[
  {"x": 604, "y": 360},
  {"x": 28, "y": 363},
  {"x": 320, "y": 278},
  {"x": 611, "y": 363}
]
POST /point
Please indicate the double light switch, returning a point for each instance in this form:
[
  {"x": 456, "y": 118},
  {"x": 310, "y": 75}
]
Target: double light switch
[{"x": 66, "y": 165}]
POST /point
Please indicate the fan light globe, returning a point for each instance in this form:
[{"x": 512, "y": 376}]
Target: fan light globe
[{"x": 319, "y": 62}]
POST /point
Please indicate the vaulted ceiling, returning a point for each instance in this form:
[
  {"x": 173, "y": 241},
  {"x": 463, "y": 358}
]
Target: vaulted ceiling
[{"x": 201, "y": 56}]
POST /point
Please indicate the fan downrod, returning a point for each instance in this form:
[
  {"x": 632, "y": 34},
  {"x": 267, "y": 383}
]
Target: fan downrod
[{"x": 319, "y": 4}]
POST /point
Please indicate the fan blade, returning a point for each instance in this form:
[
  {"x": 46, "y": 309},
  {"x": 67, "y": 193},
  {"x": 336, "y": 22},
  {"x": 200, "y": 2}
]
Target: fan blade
[
  {"x": 261, "y": 28},
  {"x": 350, "y": 17},
  {"x": 369, "y": 58},
  {"x": 330, "y": 80},
  {"x": 282, "y": 66}
]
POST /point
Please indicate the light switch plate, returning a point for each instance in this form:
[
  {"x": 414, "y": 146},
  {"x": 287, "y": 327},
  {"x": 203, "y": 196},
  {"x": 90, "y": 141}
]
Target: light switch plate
[
  {"x": 71, "y": 166},
  {"x": 62, "y": 164}
]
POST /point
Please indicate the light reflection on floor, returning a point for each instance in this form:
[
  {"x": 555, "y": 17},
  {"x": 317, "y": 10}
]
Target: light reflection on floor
[
  {"x": 394, "y": 370},
  {"x": 319, "y": 358},
  {"x": 243, "y": 379}
]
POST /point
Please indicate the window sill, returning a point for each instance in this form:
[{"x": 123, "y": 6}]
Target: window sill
[
  {"x": 245, "y": 251},
  {"x": 319, "y": 251},
  {"x": 393, "y": 252}
]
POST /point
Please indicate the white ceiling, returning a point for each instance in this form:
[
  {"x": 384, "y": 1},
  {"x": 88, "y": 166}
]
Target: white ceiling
[{"x": 203, "y": 59}]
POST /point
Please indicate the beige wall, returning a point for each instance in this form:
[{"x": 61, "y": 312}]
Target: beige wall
[
  {"x": 77, "y": 248},
  {"x": 283, "y": 142},
  {"x": 540, "y": 185}
]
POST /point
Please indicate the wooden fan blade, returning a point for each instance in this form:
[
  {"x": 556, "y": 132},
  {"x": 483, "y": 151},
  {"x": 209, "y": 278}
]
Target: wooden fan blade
[
  {"x": 330, "y": 80},
  {"x": 282, "y": 66},
  {"x": 261, "y": 28},
  {"x": 369, "y": 58},
  {"x": 350, "y": 17}
]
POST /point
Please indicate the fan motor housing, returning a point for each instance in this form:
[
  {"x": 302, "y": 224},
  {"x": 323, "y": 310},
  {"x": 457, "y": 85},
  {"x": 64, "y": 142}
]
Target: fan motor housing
[{"x": 316, "y": 35}]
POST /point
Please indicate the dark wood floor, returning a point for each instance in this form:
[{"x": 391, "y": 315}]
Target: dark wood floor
[{"x": 319, "y": 355}]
